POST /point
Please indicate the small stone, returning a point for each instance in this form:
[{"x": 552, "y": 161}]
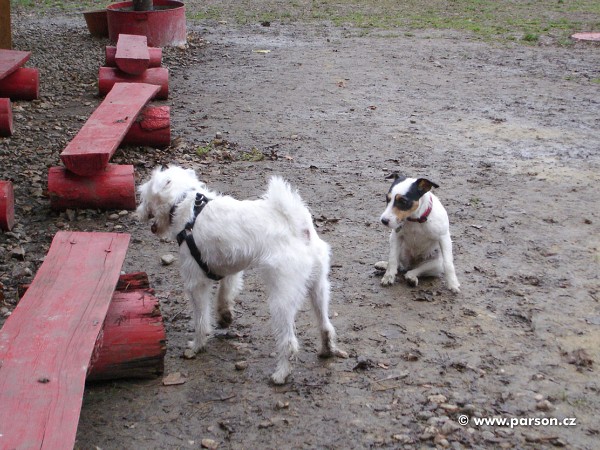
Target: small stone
[
  {"x": 538, "y": 397},
  {"x": 437, "y": 399},
  {"x": 123, "y": 213},
  {"x": 113, "y": 217},
  {"x": 424, "y": 415},
  {"x": 544, "y": 405},
  {"x": 167, "y": 259},
  {"x": 18, "y": 253},
  {"x": 538, "y": 377},
  {"x": 450, "y": 427},
  {"x": 449, "y": 407},
  {"x": 282, "y": 405},
  {"x": 241, "y": 365},
  {"x": 441, "y": 440},
  {"x": 209, "y": 443},
  {"x": 402, "y": 438}
]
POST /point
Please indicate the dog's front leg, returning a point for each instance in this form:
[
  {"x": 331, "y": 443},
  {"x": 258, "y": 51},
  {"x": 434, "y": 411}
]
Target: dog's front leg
[
  {"x": 199, "y": 294},
  {"x": 229, "y": 288},
  {"x": 392, "y": 268},
  {"x": 451, "y": 279}
]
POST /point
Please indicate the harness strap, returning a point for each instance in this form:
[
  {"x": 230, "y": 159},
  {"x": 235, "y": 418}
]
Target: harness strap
[{"x": 186, "y": 236}]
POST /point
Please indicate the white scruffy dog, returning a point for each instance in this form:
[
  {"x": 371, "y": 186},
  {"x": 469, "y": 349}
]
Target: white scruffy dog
[
  {"x": 275, "y": 234},
  {"x": 420, "y": 240}
]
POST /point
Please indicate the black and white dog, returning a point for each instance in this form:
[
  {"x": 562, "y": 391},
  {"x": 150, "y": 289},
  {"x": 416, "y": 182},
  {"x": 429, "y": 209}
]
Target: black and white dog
[
  {"x": 420, "y": 240},
  {"x": 220, "y": 236}
]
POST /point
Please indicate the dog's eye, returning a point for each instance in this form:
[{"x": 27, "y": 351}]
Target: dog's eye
[{"x": 401, "y": 202}]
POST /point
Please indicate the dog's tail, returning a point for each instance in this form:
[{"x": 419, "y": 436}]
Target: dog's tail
[{"x": 288, "y": 202}]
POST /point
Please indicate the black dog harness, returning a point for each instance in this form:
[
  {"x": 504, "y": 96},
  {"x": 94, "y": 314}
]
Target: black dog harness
[{"x": 186, "y": 236}]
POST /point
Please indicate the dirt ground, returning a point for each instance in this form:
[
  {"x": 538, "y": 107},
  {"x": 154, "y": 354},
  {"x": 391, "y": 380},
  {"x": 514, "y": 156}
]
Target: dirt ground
[{"x": 508, "y": 131}]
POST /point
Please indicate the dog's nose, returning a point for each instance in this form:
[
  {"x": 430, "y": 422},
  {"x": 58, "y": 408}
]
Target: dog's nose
[{"x": 385, "y": 221}]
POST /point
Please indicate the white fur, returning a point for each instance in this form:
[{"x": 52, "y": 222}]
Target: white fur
[
  {"x": 422, "y": 249},
  {"x": 274, "y": 234}
]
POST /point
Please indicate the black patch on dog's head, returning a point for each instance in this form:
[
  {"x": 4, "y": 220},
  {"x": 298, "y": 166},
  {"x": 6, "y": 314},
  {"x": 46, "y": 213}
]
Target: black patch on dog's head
[
  {"x": 419, "y": 188},
  {"x": 397, "y": 179}
]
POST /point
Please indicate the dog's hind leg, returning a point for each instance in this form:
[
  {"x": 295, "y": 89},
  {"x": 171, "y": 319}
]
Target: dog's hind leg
[
  {"x": 229, "y": 288},
  {"x": 286, "y": 291},
  {"x": 429, "y": 268},
  {"x": 319, "y": 294}
]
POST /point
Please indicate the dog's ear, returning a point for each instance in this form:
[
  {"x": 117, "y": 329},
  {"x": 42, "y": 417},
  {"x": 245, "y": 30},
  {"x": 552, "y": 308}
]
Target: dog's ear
[{"x": 424, "y": 185}]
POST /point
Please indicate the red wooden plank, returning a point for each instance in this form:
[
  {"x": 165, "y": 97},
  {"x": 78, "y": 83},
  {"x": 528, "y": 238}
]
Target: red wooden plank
[
  {"x": 90, "y": 150},
  {"x": 47, "y": 342},
  {"x": 132, "y": 55},
  {"x": 11, "y": 60},
  {"x": 155, "y": 54}
]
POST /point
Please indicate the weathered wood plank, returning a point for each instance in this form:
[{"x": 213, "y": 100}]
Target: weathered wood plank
[
  {"x": 91, "y": 149},
  {"x": 47, "y": 342},
  {"x": 132, "y": 55},
  {"x": 11, "y": 60}
]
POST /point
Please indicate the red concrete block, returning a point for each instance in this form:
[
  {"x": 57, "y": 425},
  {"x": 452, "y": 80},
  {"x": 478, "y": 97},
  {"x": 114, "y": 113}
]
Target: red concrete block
[
  {"x": 159, "y": 76},
  {"x": 6, "y": 118},
  {"x": 155, "y": 54},
  {"x": 22, "y": 84},
  {"x": 152, "y": 128},
  {"x": 112, "y": 188},
  {"x": 7, "y": 206},
  {"x": 132, "y": 55}
]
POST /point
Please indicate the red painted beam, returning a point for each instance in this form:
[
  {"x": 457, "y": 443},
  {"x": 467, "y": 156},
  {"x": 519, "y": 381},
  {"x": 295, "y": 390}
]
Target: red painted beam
[
  {"x": 6, "y": 118},
  {"x": 152, "y": 128},
  {"x": 91, "y": 149},
  {"x": 112, "y": 188},
  {"x": 155, "y": 54},
  {"x": 132, "y": 55},
  {"x": 11, "y": 60},
  {"x": 22, "y": 84},
  {"x": 159, "y": 76},
  {"x": 7, "y": 206},
  {"x": 132, "y": 344},
  {"x": 47, "y": 342}
]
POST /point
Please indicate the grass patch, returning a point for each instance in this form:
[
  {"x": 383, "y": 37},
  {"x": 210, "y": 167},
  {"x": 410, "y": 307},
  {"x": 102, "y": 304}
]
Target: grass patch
[{"x": 519, "y": 20}]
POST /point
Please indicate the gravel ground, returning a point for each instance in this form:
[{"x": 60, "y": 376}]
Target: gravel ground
[{"x": 510, "y": 132}]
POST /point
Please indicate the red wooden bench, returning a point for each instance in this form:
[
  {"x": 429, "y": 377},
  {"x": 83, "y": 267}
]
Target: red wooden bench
[
  {"x": 47, "y": 342},
  {"x": 16, "y": 82},
  {"x": 91, "y": 149},
  {"x": 132, "y": 55}
]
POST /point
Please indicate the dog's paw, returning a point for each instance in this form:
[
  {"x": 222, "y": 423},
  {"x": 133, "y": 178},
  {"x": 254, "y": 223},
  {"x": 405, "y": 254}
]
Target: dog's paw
[
  {"x": 225, "y": 319},
  {"x": 381, "y": 265},
  {"x": 388, "y": 279},
  {"x": 193, "y": 347},
  {"x": 454, "y": 288},
  {"x": 280, "y": 376},
  {"x": 411, "y": 279}
]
